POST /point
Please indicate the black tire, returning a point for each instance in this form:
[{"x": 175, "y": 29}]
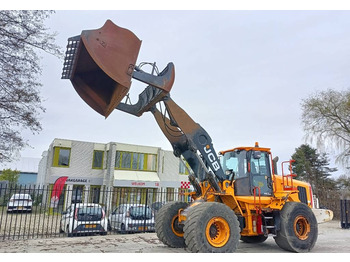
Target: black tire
[
  {"x": 299, "y": 228},
  {"x": 254, "y": 239},
  {"x": 166, "y": 225},
  {"x": 211, "y": 227},
  {"x": 69, "y": 234},
  {"x": 122, "y": 229}
]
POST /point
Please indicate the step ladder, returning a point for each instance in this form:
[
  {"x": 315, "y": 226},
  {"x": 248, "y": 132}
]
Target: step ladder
[
  {"x": 287, "y": 178},
  {"x": 269, "y": 225}
]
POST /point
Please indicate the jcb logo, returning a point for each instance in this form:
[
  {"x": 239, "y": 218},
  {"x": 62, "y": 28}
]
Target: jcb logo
[{"x": 212, "y": 158}]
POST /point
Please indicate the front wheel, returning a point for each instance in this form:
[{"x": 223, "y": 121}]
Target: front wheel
[
  {"x": 299, "y": 230},
  {"x": 211, "y": 227},
  {"x": 167, "y": 226}
]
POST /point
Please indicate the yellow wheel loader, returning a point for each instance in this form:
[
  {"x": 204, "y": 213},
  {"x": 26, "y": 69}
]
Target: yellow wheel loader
[{"x": 237, "y": 195}]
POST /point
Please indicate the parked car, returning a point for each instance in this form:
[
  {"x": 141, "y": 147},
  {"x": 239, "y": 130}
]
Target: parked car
[
  {"x": 132, "y": 218},
  {"x": 157, "y": 205},
  {"x": 84, "y": 218},
  {"x": 20, "y": 202}
]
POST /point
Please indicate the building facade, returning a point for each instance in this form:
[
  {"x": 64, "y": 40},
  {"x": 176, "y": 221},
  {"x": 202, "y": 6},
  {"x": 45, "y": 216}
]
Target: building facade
[
  {"x": 28, "y": 168},
  {"x": 93, "y": 168}
]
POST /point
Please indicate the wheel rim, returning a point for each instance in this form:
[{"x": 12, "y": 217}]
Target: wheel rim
[
  {"x": 301, "y": 227},
  {"x": 176, "y": 227},
  {"x": 217, "y": 232}
]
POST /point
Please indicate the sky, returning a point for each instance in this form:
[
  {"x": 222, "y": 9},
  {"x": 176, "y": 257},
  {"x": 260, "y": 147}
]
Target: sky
[{"x": 242, "y": 75}]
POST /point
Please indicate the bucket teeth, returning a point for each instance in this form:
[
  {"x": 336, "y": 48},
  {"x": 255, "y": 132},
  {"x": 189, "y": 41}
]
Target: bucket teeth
[{"x": 72, "y": 47}]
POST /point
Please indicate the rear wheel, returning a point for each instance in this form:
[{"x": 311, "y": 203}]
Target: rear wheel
[
  {"x": 211, "y": 228},
  {"x": 167, "y": 226},
  {"x": 299, "y": 230}
]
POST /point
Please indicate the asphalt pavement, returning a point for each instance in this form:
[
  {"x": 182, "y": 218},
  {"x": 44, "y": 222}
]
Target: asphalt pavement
[{"x": 331, "y": 239}]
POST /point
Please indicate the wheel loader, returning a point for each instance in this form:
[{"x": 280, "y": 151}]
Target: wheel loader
[{"x": 237, "y": 196}]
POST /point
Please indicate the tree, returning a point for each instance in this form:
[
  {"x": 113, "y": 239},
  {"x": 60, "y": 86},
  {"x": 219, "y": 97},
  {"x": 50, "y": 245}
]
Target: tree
[
  {"x": 343, "y": 184},
  {"x": 10, "y": 175},
  {"x": 326, "y": 119},
  {"x": 313, "y": 168},
  {"x": 22, "y": 35}
]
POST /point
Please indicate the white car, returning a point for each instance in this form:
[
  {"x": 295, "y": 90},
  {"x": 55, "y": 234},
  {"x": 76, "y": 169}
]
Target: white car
[
  {"x": 83, "y": 218},
  {"x": 20, "y": 202},
  {"x": 132, "y": 218}
]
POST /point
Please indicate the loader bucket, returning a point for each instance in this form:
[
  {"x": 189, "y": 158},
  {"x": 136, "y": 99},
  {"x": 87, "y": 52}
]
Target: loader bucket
[{"x": 100, "y": 64}]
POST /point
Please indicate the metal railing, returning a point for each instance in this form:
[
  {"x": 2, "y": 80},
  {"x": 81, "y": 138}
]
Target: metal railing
[{"x": 28, "y": 212}]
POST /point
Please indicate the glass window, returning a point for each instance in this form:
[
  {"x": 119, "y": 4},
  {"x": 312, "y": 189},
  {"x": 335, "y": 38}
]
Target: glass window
[
  {"x": 61, "y": 157},
  {"x": 151, "y": 162},
  {"x": 260, "y": 165},
  {"x": 135, "y": 157},
  {"x": 136, "y": 161},
  {"x": 117, "y": 160},
  {"x": 77, "y": 194},
  {"x": 183, "y": 168},
  {"x": 126, "y": 160},
  {"x": 95, "y": 194},
  {"x": 141, "y": 161},
  {"x": 235, "y": 161},
  {"x": 97, "y": 161}
]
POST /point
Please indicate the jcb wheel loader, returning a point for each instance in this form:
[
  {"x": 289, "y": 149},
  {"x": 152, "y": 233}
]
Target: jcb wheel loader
[{"x": 237, "y": 197}]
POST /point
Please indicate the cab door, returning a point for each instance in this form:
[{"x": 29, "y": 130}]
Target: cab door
[{"x": 260, "y": 173}]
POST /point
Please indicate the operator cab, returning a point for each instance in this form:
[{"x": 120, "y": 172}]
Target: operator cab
[{"x": 248, "y": 168}]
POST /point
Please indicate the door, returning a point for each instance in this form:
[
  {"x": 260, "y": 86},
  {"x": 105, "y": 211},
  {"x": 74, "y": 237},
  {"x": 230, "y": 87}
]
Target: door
[{"x": 260, "y": 173}]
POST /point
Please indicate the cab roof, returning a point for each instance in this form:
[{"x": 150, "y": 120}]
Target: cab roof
[{"x": 255, "y": 148}]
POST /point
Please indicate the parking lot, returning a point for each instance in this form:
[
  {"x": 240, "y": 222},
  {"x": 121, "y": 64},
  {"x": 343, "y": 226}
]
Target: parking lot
[{"x": 331, "y": 239}]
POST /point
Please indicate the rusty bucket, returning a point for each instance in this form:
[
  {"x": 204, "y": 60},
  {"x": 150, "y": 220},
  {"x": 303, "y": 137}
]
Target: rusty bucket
[{"x": 100, "y": 64}]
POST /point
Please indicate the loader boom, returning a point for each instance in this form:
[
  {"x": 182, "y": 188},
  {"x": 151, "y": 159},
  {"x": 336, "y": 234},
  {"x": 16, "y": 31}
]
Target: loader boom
[{"x": 187, "y": 137}]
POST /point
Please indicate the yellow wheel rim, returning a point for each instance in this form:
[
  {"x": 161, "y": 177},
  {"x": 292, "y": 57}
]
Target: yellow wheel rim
[
  {"x": 301, "y": 227},
  {"x": 177, "y": 230},
  {"x": 217, "y": 232}
]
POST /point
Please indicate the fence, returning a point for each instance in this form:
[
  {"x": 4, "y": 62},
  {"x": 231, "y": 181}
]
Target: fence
[
  {"x": 344, "y": 213},
  {"x": 30, "y": 212}
]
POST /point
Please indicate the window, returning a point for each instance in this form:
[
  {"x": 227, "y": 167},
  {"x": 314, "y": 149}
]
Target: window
[
  {"x": 260, "y": 165},
  {"x": 235, "y": 161},
  {"x": 183, "y": 168},
  {"x": 97, "y": 161},
  {"x": 77, "y": 194},
  {"x": 61, "y": 157},
  {"x": 94, "y": 196},
  {"x": 136, "y": 161}
]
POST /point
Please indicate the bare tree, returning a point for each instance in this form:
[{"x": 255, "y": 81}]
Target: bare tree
[
  {"x": 326, "y": 120},
  {"x": 22, "y": 36}
]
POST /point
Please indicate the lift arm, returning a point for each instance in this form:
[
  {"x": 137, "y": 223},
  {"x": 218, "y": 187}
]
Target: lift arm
[{"x": 187, "y": 137}]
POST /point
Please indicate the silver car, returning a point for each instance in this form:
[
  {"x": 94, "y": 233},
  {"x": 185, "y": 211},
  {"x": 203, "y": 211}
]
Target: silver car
[
  {"x": 84, "y": 218},
  {"x": 132, "y": 218},
  {"x": 20, "y": 202}
]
